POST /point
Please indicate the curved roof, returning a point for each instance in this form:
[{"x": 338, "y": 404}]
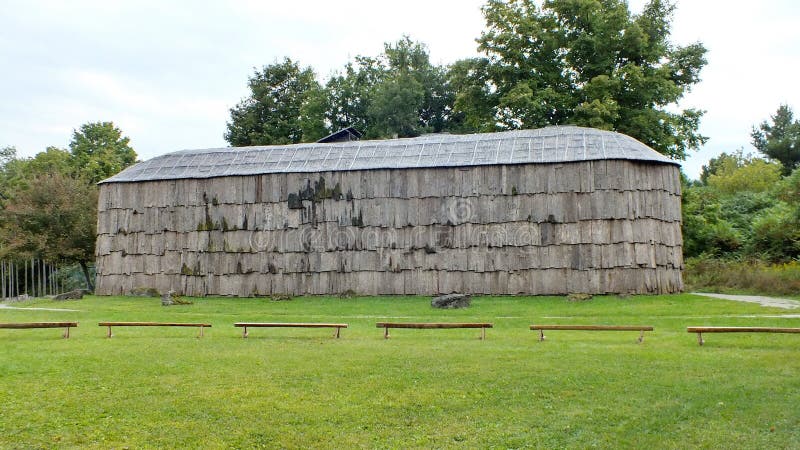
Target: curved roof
[{"x": 544, "y": 145}]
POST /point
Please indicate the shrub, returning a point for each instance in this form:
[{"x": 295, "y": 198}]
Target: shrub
[{"x": 752, "y": 276}]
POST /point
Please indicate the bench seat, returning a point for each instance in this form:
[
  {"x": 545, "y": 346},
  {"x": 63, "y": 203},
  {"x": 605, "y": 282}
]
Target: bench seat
[
  {"x": 246, "y": 325},
  {"x": 432, "y": 325},
  {"x": 32, "y": 325},
  {"x": 640, "y": 328},
  {"x": 701, "y": 330},
  {"x": 153, "y": 324}
]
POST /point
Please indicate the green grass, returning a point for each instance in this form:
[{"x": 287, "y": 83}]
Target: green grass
[{"x": 299, "y": 388}]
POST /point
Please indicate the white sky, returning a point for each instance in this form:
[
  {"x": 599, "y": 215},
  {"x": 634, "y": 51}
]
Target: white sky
[{"x": 167, "y": 73}]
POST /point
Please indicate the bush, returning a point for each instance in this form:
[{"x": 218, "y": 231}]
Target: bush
[{"x": 750, "y": 276}]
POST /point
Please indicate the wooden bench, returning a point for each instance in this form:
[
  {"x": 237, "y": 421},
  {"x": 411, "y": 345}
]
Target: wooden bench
[
  {"x": 429, "y": 325},
  {"x": 29, "y": 325},
  {"x": 245, "y": 325},
  {"x": 701, "y": 330},
  {"x": 153, "y": 324},
  {"x": 640, "y": 329}
]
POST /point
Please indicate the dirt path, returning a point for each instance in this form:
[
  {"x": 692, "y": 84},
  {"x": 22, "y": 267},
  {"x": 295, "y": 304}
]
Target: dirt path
[{"x": 774, "y": 302}]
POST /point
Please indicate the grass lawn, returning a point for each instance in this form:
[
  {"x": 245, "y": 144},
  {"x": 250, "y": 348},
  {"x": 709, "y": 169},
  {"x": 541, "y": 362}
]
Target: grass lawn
[{"x": 299, "y": 388}]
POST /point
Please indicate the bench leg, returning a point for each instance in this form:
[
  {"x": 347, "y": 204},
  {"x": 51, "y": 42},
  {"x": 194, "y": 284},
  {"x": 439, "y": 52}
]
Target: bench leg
[
  {"x": 700, "y": 339},
  {"x": 244, "y": 335},
  {"x": 201, "y": 333},
  {"x": 386, "y": 332},
  {"x": 641, "y": 337},
  {"x": 109, "y": 332},
  {"x": 541, "y": 335},
  {"x": 66, "y": 333},
  {"x": 483, "y": 333},
  {"x": 336, "y": 334}
]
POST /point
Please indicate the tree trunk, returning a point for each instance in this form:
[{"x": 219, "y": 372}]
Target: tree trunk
[{"x": 89, "y": 283}]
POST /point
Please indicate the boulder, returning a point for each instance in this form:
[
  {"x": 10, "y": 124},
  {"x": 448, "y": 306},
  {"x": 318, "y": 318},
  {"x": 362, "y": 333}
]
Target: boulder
[
  {"x": 77, "y": 294},
  {"x": 451, "y": 301},
  {"x": 166, "y": 298}
]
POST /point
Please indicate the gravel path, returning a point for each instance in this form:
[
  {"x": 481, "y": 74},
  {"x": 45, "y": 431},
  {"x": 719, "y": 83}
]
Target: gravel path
[
  {"x": 4, "y": 306},
  {"x": 774, "y": 302}
]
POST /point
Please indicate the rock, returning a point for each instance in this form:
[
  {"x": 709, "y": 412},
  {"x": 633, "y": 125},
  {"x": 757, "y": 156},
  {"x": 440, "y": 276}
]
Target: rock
[
  {"x": 451, "y": 301},
  {"x": 166, "y": 298},
  {"x": 77, "y": 294},
  {"x": 348, "y": 294}
]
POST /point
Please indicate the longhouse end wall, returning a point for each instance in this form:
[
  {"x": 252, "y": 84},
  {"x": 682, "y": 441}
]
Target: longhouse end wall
[{"x": 606, "y": 226}]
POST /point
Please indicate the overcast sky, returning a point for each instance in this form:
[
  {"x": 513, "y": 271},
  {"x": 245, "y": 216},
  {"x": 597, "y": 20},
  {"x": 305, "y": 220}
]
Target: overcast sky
[{"x": 167, "y": 73}]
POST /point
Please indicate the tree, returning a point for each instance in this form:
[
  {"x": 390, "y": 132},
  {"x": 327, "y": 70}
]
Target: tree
[
  {"x": 780, "y": 140},
  {"x": 54, "y": 217},
  {"x": 737, "y": 172},
  {"x": 350, "y": 94},
  {"x": 99, "y": 150},
  {"x": 394, "y": 110},
  {"x": 399, "y": 93},
  {"x": 410, "y": 59},
  {"x": 282, "y": 107},
  {"x": 474, "y": 99},
  {"x": 583, "y": 62}
]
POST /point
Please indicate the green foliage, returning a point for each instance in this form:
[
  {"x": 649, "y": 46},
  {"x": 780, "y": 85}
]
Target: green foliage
[
  {"x": 474, "y": 100},
  {"x": 399, "y": 93},
  {"x": 752, "y": 276},
  {"x": 350, "y": 93},
  {"x": 394, "y": 111},
  {"x": 98, "y": 151},
  {"x": 776, "y": 233},
  {"x": 729, "y": 174},
  {"x": 54, "y": 218},
  {"x": 312, "y": 115},
  {"x": 780, "y": 140},
  {"x": 742, "y": 210},
  {"x": 584, "y": 62},
  {"x": 160, "y": 387},
  {"x": 282, "y": 108},
  {"x": 48, "y": 203}
]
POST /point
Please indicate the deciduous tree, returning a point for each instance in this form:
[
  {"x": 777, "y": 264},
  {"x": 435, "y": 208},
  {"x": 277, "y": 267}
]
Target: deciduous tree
[
  {"x": 280, "y": 109},
  {"x": 54, "y": 217},
  {"x": 99, "y": 150},
  {"x": 584, "y": 62}
]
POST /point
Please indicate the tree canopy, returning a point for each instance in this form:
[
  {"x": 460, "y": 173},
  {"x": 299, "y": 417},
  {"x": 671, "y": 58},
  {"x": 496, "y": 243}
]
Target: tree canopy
[
  {"x": 583, "y": 62},
  {"x": 99, "y": 150},
  {"x": 48, "y": 203},
  {"x": 55, "y": 218},
  {"x": 282, "y": 108},
  {"x": 780, "y": 140}
]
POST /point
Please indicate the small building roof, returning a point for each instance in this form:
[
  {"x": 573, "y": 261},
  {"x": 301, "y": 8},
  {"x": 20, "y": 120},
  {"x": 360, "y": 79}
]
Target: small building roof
[{"x": 544, "y": 145}]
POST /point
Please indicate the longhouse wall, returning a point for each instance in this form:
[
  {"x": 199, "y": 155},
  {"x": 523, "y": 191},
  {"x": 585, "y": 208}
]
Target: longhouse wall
[{"x": 608, "y": 226}]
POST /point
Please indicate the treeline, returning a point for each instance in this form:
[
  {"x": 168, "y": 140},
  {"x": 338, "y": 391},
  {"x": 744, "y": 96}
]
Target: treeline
[
  {"x": 590, "y": 63},
  {"x": 48, "y": 203},
  {"x": 746, "y": 206},
  {"x": 741, "y": 219}
]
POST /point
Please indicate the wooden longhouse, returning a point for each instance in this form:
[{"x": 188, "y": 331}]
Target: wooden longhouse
[{"x": 550, "y": 211}]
